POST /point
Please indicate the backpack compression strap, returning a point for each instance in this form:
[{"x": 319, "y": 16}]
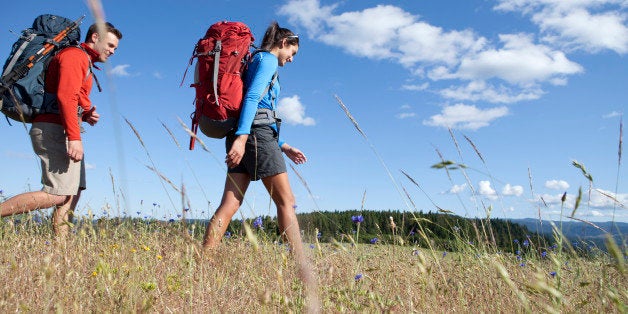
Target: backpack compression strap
[
  {"x": 216, "y": 52},
  {"x": 18, "y": 53}
]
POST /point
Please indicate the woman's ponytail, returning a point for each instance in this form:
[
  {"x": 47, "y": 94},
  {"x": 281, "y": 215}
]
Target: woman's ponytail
[{"x": 275, "y": 34}]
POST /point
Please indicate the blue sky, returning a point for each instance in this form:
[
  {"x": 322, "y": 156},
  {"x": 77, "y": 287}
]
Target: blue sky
[{"x": 528, "y": 85}]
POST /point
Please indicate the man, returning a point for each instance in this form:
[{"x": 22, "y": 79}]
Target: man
[{"x": 56, "y": 137}]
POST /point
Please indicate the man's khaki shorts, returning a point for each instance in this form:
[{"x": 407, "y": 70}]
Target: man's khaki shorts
[{"x": 59, "y": 174}]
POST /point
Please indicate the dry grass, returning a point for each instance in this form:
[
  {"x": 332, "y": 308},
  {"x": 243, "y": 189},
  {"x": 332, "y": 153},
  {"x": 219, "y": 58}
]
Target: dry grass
[{"x": 158, "y": 268}]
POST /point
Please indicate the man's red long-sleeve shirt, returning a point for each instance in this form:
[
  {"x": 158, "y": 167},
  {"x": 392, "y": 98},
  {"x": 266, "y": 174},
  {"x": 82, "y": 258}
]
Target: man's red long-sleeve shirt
[{"x": 68, "y": 76}]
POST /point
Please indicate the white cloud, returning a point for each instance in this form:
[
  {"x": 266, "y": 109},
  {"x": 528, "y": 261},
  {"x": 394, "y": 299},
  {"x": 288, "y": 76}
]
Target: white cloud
[
  {"x": 465, "y": 117},
  {"x": 158, "y": 75},
  {"x": 120, "y": 70},
  {"x": 557, "y": 185},
  {"x": 556, "y": 199},
  {"x": 457, "y": 188},
  {"x": 607, "y": 199},
  {"x": 577, "y": 24},
  {"x": 415, "y": 87},
  {"x": 406, "y": 112},
  {"x": 596, "y": 213},
  {"x": 601, "y": 203},
  {"x": 481, "y": 91},
  {"x": 292, "y": 111},
  {"x": 485, "y": 189},
  {"x": 511, "y": 190},
  {"x": 519, "y": 62},
  {"x": 89, "y": 166},
  {"x": 612, "y": 115},
  {"x": 406, "y": 115},
  {"x": 516, "y": 66}
]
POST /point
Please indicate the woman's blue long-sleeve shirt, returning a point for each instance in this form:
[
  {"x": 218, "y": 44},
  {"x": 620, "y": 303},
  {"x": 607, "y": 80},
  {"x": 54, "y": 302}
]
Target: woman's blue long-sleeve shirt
[{"x": 256, "y": 79}]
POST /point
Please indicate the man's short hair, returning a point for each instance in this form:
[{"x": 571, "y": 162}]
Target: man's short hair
[{"x": 109, "y": 27}]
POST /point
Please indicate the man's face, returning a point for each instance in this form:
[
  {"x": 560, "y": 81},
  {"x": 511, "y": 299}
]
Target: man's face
[{"x": 105, "y": 45}]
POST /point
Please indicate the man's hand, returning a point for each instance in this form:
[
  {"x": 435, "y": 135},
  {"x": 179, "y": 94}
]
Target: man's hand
[
  {"x": 75, "y": 150},
  {"x": 91, "y": 116}
]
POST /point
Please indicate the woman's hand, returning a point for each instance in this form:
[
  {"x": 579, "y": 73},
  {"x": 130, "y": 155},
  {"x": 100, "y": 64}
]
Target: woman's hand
[
  {"x": 237, "y": 151},
  {"x": 294, "y": 154}
]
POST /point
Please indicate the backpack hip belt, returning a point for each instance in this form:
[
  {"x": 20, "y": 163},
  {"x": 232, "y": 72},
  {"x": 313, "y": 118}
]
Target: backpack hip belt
[{"x": 265, "y": 116}]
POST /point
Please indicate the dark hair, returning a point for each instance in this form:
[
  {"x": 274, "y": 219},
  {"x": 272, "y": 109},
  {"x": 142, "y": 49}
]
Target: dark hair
[
  {"x": 110, "y": 29},
  {"x": 275, "y": 34}
]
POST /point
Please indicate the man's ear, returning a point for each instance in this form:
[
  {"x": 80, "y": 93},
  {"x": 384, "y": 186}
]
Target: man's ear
[{"x": 95, "y": 37}]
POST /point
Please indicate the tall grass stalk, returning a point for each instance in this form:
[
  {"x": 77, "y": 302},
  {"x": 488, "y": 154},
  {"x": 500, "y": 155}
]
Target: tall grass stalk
[
  {"x": 154, "y": 167},
  {"x": 372, "y": 146},
  {"x": 189, "y": 166}
]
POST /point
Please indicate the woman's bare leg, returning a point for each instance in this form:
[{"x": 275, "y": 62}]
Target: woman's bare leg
[
  {"x": 278, "y": 187},
  {"x": 232, "y": 196}
]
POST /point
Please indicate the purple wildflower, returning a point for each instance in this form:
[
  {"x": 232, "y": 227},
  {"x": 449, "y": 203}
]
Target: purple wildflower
[
  {"x": 553, "y": 274},
  {"x": 444, "y": 253},
  {"x": 374, "y": 240},
  {"x": 358, "y": 277},
  {"x": 257, "y": 223},
  {"x": 526, "y": 243},
  {"x": 544, "y": 254},
  {"x": 357, "y": 219},
  {"x": 228, "y": 234}
]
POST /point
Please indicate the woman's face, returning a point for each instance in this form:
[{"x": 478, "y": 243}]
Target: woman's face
[{"x": 286, "y": 53}]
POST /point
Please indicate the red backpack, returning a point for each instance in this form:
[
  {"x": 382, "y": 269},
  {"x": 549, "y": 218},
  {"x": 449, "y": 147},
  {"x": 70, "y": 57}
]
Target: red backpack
[{"x": 222, "y": 56}]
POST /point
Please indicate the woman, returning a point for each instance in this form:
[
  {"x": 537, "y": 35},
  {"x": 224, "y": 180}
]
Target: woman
[{"x": 254, "y": 151}]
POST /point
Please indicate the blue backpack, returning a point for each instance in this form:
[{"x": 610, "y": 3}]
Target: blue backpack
[{"x": 22, "y": 81}]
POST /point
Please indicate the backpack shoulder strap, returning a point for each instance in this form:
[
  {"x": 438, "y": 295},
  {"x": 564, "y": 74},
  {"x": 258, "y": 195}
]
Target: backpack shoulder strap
[
  {"x": 91, "y": 68},
  {"x": 267, "y": 89}
]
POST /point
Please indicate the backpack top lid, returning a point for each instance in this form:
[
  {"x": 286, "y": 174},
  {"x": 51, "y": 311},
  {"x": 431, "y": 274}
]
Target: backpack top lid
[
  {"x": 50, "y": 25},
  {"x": 45, "y": 27},
  {"x": 228, "y": 29}
]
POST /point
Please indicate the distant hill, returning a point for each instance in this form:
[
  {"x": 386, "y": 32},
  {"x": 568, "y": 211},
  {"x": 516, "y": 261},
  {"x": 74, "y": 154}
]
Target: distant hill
[{"x": 579, "y": 231}]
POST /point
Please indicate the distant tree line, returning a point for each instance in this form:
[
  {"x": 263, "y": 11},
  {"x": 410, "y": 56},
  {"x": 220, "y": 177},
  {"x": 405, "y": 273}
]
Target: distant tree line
[{"x": 431, "y": 230}]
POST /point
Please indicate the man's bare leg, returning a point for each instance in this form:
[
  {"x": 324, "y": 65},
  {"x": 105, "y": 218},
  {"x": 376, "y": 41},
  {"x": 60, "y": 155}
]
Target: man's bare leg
[{"x": 29, "y": 201}]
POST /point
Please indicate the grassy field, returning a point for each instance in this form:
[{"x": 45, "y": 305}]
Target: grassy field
[{"x": 135, "y": 266}]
